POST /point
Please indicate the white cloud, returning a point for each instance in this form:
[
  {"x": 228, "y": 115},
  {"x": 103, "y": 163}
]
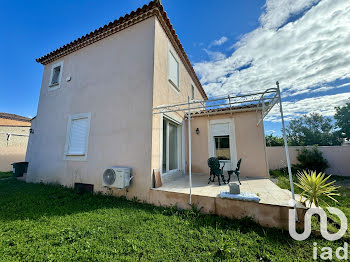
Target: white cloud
[
  {"x": 344, "y": 85},
  {"x": 303, "y": 55},
  {"x": 215, "y": 56},
  {"x": 322, "y": 104},
  {"x": 219, "y": 41},
  {"x": 277, "y": 12}
]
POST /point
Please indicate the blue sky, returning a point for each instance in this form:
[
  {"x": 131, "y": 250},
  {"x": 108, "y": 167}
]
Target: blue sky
[{"x": 235, "y": 47}]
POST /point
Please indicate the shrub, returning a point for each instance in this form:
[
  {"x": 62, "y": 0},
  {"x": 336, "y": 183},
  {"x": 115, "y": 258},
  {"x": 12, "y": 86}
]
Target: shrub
[
  {"x": 311, "y": 159},
  {"x": 315, "y": 186}
]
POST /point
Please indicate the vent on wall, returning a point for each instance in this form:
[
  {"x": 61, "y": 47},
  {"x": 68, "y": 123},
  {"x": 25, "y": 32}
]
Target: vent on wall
[{"x": 84, "y": 188}]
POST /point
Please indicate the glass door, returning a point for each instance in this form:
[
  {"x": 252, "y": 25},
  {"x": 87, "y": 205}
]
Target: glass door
[{"x": 170, "y": 146}]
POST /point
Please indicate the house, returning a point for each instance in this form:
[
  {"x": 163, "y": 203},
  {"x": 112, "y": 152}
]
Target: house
[
  {"x": 14, "y": 133},
  {"x": 96, "y": 110}
]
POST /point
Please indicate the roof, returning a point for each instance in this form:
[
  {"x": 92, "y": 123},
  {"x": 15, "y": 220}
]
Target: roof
[
  {"x": 153, "y": 8},
  {"x": 7, "y": 119},
  {"x": 226, "y": 110}
]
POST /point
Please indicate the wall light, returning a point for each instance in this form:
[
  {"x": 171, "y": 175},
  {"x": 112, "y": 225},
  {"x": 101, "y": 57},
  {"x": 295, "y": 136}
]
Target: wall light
[{"x": 197, "y": 131}]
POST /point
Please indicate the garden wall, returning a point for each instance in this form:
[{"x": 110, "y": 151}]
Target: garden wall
[
  {"x": 14, "y": 149},
  {"x": 338, "y": 158}
]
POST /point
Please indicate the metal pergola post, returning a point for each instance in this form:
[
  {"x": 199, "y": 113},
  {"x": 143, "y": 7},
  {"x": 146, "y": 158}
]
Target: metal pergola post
[
  {"x": 286, "y": 144},
  {"x": 189, "y": 150}
]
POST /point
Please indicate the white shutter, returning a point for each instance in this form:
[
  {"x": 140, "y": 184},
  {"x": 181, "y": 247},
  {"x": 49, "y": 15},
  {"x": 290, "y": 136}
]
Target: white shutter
[
  {"x": 78, "y": 136},
  {"x": 220, "y": 129},
  {"x": 173, "y": 70}
]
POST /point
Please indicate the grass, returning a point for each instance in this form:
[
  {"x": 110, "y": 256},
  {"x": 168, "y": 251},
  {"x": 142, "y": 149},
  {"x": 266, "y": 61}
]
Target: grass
[
  {"x": 343, "y": 200},
  {"x": 6, "y": 174},
  {"x": 51, "y": 223}
]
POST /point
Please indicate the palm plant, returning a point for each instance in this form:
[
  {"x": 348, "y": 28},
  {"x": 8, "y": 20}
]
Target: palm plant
[{"x": 315, "y": 186}]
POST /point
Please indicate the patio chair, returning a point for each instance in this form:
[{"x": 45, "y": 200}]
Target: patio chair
[
  {"x": 215, "y": 170},
  {"x": 236, "y": 171}
]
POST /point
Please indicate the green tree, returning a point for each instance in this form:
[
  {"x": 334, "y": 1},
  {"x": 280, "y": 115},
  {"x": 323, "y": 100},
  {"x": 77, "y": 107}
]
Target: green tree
[
  {"x": 313, "y": 129},
  {"x": 342, "y": 119},
  {"x": 272, "y": 140}
]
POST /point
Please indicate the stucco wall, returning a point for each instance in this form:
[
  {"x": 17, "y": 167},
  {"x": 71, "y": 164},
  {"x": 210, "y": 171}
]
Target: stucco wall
[
  {"x": 250, "y": 143},
  {"x": 164, "y": 93},
  {"x": 112, "y": 79},
  {"x": 337, "y": 156},
  {"x": 15, "y": 149}
]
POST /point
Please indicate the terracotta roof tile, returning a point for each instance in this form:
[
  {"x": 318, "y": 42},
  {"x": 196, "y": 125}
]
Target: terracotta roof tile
[
  {"x": 14, "y": 117},
  {"x": 153, "y": 8}
]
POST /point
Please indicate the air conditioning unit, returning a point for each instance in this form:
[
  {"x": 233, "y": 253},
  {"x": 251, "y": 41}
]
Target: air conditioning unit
[{"x": 117, "y": 177}]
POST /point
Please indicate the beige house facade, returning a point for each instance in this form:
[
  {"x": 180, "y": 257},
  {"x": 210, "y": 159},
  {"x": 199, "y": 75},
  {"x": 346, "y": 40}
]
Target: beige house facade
[{"x": 95, "y": 110}]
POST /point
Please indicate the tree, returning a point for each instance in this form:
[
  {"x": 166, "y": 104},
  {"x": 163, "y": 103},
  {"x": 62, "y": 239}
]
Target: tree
[
  {"x": 272, "y": 140},
  {"x": 313, "y": 129},
  {"x": 342, "y": 119}
]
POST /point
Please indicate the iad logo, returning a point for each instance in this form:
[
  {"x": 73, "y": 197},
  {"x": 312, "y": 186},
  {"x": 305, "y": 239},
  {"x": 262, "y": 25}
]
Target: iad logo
[
  {"x": 323, "y": 224},
  {"x": 341, "y": 252}
]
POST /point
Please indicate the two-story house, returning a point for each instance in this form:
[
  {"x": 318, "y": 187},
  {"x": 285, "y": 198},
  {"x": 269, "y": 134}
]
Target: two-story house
[{"x": 95, "y": 109}]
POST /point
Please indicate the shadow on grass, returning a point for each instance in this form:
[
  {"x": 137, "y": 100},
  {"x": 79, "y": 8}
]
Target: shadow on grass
[{"x": 27, "y": 201}]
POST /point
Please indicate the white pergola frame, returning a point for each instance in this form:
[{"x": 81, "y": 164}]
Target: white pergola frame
[{"x": 263, "y": 101}]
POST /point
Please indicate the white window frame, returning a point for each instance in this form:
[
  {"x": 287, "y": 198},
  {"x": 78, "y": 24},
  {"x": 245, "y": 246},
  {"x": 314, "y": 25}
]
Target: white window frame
[
  {"x": 180, "y": 140},
  {"x": 229, "y": 164},
  {"x": 77, "y": 157},
  {"x": 57, "y": 85},
  {"x": 175, "y": 85},
  {"x": 192, "y": 91}
]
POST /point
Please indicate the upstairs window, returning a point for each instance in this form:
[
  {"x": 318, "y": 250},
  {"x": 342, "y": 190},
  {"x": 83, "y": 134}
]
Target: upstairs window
[
  {"x": 192, "y": 92},
  {"x": 173, "y": 70},
  {"x": 56, "y": 74}
]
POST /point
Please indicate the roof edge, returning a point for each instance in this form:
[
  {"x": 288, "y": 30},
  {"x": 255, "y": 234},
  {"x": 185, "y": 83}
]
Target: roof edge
[{"x": 153, "y": 8}]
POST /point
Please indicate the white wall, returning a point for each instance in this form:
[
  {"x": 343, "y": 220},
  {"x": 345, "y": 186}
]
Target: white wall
[
  {"x": 112, "y": 79},
  {"x": 338, "y": 158}
]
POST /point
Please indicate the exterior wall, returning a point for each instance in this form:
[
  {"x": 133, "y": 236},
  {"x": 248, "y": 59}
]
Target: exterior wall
[
  {"x": 15, "y": 149},
  {"x": 164, "y": 93},
  {"x": 112, "y": 79},
  {"x": 337, "y": 156},
  {"x": 250, "y": 143},
  {"x": 263, "y": 214}
]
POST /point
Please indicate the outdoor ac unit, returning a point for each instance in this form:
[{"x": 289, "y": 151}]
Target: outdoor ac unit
[{"x": 117, "y": 177}]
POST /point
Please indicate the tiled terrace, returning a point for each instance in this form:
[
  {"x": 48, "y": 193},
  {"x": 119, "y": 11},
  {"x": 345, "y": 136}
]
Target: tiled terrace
[{"x": 268, "y": 192}]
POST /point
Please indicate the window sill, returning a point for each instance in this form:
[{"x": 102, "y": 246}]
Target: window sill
[
  {"x": 82, "y": 154},
  {"x": 75, "y": 157},
  {"x": 174, "y": 85},
  {"x": 53, "y": 86}
]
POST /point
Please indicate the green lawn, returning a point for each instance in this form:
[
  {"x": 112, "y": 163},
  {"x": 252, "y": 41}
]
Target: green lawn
[
  {"x": 6, "y": 174},
  {"x": 51, "y": 223}
]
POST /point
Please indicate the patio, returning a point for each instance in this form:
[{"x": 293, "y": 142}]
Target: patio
[
  {"x": 271, "y": 211},
  {"x": 268, "y": 192}
]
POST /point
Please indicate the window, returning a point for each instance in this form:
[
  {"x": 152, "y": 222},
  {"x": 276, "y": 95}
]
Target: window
[
  {"x": 173, "y": 70},
  {"x": 192, "y": 92},
  {"x": 56, "y": 73},
  {"x": 222, "y": 147},
  {"x": 78, "y": 136}
]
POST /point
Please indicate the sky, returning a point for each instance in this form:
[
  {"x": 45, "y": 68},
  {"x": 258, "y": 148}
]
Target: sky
[{"x": 235, "y": 47}]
